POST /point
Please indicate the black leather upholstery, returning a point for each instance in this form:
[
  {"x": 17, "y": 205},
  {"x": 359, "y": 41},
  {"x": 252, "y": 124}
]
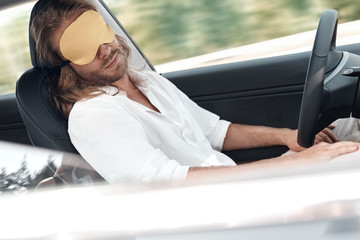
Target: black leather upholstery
[
  {"x": 46, "y": 126},
  {"x": 39, "y": 6}
]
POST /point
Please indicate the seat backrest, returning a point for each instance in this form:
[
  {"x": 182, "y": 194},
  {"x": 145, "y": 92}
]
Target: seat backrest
[{"x": 46, "y": 126}]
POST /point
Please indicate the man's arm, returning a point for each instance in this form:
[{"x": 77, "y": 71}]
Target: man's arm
[
  {"x": 240, "y": 136},
  {"x": 316, "y": 154}
]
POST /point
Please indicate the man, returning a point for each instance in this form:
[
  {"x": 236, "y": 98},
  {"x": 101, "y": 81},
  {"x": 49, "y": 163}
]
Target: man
[{"x": 132, "y": 125}]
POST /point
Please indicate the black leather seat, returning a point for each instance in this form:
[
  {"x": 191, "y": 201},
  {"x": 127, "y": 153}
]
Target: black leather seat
[{"x": 45, "y": 124}]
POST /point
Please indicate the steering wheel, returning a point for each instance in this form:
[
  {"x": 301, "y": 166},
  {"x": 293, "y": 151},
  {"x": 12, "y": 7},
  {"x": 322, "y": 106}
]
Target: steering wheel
[{"x": 322, "y": 58}]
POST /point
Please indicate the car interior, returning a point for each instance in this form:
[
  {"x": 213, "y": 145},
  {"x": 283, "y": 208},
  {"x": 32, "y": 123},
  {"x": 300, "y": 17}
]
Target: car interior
[
  {"x": 265, "y": 91},
  {"x": 305, "y": 90}
]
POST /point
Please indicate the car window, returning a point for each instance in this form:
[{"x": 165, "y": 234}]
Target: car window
[
  {"x": 22, "y": 167},
  {"x": 25, "y": 169},
  {"x": 14, "y": 41},
  {"x": 169, "y": 30}
]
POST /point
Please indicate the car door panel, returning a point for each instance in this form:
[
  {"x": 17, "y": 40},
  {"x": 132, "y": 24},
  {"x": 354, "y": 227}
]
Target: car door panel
[
  {"x": 12, "y": 127},
  {"x": 259, "y": 92}
]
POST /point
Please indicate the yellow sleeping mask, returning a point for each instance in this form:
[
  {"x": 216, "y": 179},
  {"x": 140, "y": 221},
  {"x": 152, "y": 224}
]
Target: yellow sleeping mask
[{"x": 82, "y": 38}]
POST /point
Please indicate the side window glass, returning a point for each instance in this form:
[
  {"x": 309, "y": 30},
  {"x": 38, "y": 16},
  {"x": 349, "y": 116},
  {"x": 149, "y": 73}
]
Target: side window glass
[
  {"x": 22, "y": 168},
  {"x": 168, "y": 31},
  {"x": 205, "y": 32},
  {"x": 14, "y": 49}
]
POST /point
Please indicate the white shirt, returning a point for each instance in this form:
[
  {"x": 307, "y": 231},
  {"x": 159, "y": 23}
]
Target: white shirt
[{"x": 126, "y": 141}]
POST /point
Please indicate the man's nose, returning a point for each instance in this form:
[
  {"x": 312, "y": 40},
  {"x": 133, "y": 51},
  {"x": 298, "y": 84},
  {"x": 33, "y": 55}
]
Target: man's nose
[{"x": 104, "y": 50}]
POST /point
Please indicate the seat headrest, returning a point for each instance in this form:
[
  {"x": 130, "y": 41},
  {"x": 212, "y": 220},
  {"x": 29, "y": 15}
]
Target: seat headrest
[{"x": 38, "y": 8}]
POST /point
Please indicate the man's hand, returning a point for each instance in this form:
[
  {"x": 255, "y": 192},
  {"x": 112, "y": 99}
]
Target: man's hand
[
  {"x": 326, "y": 135},
  {"x": 318, "y": 153},
  {"x": 324, "y": 151}
]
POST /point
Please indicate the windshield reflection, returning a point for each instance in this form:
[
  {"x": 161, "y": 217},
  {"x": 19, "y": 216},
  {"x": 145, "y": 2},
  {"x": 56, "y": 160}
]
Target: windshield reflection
[{"x": 24, "y": 168}]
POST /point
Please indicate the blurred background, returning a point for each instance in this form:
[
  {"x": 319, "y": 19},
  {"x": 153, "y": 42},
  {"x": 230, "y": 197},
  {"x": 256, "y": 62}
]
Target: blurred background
[{"x": 168, "y": 30}]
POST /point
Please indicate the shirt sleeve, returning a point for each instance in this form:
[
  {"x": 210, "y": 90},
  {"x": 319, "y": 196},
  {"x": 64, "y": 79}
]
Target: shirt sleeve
[
  {"x": 115, "y": 144},
  {"x": 211, "y": 125}
]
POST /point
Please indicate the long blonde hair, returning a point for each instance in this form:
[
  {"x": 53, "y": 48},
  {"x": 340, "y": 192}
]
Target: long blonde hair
[{"x": 70, "y": 88}]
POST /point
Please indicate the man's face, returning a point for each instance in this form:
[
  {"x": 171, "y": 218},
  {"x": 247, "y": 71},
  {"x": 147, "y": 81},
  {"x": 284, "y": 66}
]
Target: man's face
[{"x": 109, "y": 65}]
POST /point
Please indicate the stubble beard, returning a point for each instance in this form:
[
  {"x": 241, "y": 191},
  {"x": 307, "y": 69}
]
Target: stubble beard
[{"x": 101, "y": 78}]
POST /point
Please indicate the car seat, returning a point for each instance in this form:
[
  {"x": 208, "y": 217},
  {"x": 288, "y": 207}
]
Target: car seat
[{"x": 45, "y": 124}]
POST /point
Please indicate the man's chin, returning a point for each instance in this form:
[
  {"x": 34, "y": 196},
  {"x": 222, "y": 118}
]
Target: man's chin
[
  {"x": 105, "y": 78},
  {"x": 108, "y": 80}
]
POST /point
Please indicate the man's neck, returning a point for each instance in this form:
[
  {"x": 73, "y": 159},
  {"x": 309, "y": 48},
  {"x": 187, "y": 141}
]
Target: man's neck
[{"x": 125, "y": 84}]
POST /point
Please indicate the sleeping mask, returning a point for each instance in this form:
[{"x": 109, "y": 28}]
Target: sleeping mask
[{"x": 83, "y": 37}]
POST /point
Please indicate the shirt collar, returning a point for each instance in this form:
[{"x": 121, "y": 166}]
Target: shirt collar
[{"x": 140, "y": 79}]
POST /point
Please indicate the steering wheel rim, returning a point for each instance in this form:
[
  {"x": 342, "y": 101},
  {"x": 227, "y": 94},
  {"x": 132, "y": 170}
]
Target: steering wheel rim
[{"x": 324, "y": 45}]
